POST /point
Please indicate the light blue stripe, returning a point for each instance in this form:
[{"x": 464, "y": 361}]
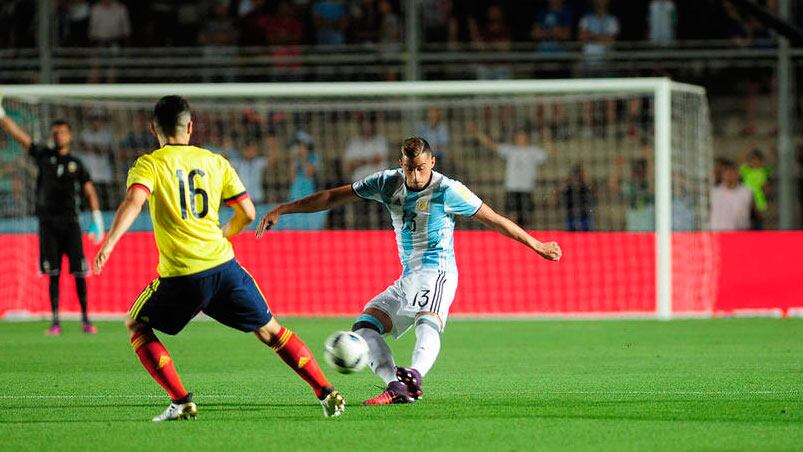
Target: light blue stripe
[
  {"x": 430, "y": 320},
  {"x": 406, "y": 234},
  {"x": 373, "y": 321},
  {"x": 437, "y": 219}
]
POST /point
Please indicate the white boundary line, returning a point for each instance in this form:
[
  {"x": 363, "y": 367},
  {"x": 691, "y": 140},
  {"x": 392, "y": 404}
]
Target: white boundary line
[{"x": 227, "y": 396}]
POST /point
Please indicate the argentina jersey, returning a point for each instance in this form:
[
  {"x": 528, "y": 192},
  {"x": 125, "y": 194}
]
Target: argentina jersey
[{"x": 422, "y": 219}]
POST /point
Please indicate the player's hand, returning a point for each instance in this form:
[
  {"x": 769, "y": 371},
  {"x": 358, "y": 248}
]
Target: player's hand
[
  {"x": 550, "y": 251},
  {"x": 96, "y": 230},
  {"x": 268, "y": 221},
  {"x": 101, "y": 258}
]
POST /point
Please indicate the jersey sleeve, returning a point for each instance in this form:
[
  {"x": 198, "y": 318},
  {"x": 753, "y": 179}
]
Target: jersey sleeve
[
  {"x": 459, "y": 200},
  {"x": 142, "y": 175},
  {"x": 37, "y": 150},
  {"x": 233, "y": 188},
  {"x": 83, "y": 174},
  {"x": 371, "y": 187}
]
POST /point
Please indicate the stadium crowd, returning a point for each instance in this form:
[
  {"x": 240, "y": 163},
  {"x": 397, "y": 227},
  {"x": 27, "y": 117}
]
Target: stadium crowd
[{"x": 488, "y": 24}]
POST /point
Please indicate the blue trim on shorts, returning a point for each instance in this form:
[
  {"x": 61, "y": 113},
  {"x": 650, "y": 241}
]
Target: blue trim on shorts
[{"x": 373, "y": 321}]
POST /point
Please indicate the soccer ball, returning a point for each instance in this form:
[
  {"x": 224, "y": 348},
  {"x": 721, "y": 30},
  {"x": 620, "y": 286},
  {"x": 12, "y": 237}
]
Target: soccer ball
[{"x": 346, "y": 352}]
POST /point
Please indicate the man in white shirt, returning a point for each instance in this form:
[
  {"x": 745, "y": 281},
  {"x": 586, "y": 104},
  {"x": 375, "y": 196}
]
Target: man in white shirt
[
  {"x": 663, "y": 19},
  {"x": 731, "y": 201},
  {"x": 97, "y": 142},
  {"x": 365, "y": 155},
  {"x": 109, "y": 23},
  {"x": 521, "y": 170},
  {"x": 251, "y": 166}
]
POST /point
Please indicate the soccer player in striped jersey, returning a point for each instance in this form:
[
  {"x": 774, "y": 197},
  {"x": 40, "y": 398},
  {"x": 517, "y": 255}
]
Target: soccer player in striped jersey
[
  {"x": 185, "y": 186},
  {"x": 423, "y": 204}
]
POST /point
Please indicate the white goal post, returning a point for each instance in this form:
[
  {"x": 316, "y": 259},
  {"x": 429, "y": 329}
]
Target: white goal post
[{"x": 660, "y": 90}]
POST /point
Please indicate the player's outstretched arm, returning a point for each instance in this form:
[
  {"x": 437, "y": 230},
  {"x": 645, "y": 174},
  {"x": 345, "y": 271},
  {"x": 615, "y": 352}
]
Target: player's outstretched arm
[
  {"x": 322, "y": 200},
  {"x": 244, "y": 214},
  {"x": 549, "y": 250},
  {"x": 13, "y": 129},
  {"x": 126, "y": 214}
]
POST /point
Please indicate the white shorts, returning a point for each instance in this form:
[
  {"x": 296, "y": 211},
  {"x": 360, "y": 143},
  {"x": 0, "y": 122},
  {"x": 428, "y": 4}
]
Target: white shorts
[{"x": 419, "y": 291}]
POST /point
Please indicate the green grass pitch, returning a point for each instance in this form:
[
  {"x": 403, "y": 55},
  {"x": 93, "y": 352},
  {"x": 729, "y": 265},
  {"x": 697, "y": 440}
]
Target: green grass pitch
[{"x": 498, "y": 385}]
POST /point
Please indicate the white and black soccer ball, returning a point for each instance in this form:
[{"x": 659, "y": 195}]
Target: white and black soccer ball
[{"x": 346, "y": 352}]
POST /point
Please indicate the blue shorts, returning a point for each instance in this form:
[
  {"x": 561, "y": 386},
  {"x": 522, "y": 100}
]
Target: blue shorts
[{"x": 227, "y": 293}]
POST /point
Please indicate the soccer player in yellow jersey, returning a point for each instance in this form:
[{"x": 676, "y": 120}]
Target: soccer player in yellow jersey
[{"x": 185, "y": 185}]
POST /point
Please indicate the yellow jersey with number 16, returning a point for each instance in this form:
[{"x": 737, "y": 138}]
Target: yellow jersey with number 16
[{"x": 186, "y": 185}]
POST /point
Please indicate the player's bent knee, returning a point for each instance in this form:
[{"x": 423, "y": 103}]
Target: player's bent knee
[
  {"x": 430, "y": 319},
  {"x": 371, "y": 322},
  {"x": 135, "y": 326},
  {"x": 268, "y": 331}
]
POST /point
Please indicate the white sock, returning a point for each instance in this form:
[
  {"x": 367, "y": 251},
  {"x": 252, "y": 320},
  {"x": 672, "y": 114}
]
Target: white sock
[
  {"x": 427, "y": 346},
  {"x": 380, "y": 359}
]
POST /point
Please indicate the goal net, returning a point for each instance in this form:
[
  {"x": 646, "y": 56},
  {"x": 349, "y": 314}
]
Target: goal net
[{"x": 617, "y": 171}]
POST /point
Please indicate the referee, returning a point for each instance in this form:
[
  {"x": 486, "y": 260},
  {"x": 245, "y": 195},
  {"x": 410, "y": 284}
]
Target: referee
[{"x": 62, "y": 177}]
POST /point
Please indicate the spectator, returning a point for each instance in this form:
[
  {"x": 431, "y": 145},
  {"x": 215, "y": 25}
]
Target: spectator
[
  {"x": 731, "y": 202},
  {"x": 304, "y": 169},
  {"x": 577, "y": 197},
  {"x": 254, "y": 25},
  {"x": 365, "y": 22},
  {"x": 389, "y": 25},
  {"x": 755, "y": 175},
  {"x": 735, "y": 27},
  {"x": 366, "y": 153},
  {"x": 18, "y": 25},
  {"x": 331, "y": 19},
  {"x": 389, "y": 36},
  {"x": 553, "y": 27},
  {"x": 637, "y": 190},
  {"x": 75, "y": 26},
  {"x": 251, "y": 167},
  {"x": 436, "y": 132},
  {"x": 218, "y": 36},
  {"x": 285, "y": 34},
  {"x": 440, "y": 25},
  {"x": 109, "y": 25},
  {"x": 598, "y": 30},
  {"x": 97, "y": 142},
  {"x": 493, "y": 36},
  {"x": 662, "y": 19},
  {"x": 138, "y": 141},
  {"x": 522, "y": 161}
]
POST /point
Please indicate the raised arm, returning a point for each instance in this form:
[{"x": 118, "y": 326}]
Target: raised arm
[
  {"x": 549, "y": 250},
  {"x": 13, "y": 129},
  {"x": 322, "y": 200},
  {"x": 244, "y": 214},
  {"x": 126, "y": 214},
  {"x": 483, "y": 139}
]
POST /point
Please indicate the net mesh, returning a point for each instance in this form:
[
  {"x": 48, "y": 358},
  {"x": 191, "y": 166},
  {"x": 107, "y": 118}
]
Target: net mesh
[{"x": 573, "y": 167}]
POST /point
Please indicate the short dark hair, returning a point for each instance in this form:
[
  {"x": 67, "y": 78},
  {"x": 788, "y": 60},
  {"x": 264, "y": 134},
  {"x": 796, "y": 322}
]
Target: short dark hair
[
  {"x": 170, "y": 113},
  {"x": 756, "y": 154},
  {"x": 413, "y": 147},
  {"x": 728, "y": 164},
  {"x": 61, "y": 122}
]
